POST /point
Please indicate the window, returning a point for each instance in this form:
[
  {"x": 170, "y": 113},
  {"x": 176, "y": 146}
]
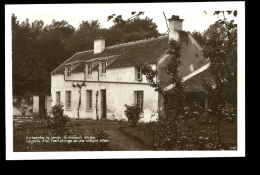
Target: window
[
  {"x": 103, "y": 67},
  {"x": 139, "y": 73},
  {"x": 90, "y": 65},
  {"x": 139, "y": 98},
  {"x": 68, "y": 99},
  {"x": 68, "y": 71},
  {"x": 89, "y": 99},
  {"x": 57, "y": 97}
]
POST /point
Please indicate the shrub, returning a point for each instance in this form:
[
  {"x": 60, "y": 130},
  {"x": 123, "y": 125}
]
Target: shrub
[
  {"x": 43, "y": 113},
  {"x": 133, "y": 113},
  {"x": 59, "y": 120}
]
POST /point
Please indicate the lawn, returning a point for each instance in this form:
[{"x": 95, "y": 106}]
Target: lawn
[
  {"x": 106, "y": 135},
  {"x": 113, "y": 139}
]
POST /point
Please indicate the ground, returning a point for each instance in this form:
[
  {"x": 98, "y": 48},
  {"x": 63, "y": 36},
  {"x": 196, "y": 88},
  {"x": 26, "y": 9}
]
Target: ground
[{"x": 117, "y": 140}]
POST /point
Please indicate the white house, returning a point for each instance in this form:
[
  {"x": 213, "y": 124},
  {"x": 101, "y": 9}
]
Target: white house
[{"x": 112, "y": 75}]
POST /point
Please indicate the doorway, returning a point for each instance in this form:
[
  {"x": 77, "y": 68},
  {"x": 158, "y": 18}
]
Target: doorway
[{"x": 103, "y": 104}]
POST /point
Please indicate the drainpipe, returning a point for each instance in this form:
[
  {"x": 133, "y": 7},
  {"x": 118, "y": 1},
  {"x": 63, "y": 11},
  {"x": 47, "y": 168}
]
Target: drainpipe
[{"x": 97, "y": 105}]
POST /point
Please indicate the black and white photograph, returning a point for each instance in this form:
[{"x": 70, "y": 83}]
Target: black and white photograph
[{"x": 126, "y": 80}]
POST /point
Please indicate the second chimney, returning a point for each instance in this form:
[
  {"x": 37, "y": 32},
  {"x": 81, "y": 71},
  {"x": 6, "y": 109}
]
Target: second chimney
[
  {"x": 175, "y": 24},
  {"x": 99, "y": 44}
]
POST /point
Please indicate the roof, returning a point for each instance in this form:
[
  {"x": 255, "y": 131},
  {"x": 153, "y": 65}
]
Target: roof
[
  {"x": 129, "y": 54},
  {"x": 193, "y": 81}
]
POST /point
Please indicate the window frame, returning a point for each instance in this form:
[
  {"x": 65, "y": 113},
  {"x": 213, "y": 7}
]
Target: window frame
[
  {"x": 103, "y": 68},
  {"x": 58, "y": 99},
  {"x": 89, "y": 68},
  {"x": 139, "y": 73},
  {"x": 141, "y": 100},
  {"x": 89, "y": 100},
  {"x": 68, "y": 71},
  {"x": 68, "y": 100}
]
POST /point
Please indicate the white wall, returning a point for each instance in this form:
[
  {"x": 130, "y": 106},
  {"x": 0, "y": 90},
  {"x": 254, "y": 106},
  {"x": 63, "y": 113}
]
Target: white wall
[
  {"x": 17, "y": 112},
  {"x": 122, "y": 74},
  {"x": 35, "y": 103},
  {"x": 118, "y": 94},
  {"x": 48, "y": 102}
]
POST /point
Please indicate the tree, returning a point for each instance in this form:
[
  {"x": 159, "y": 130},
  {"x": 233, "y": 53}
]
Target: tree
[
  {"x": 133, "y": 28},
  {"x": 83, "y": 37},
  {"x": 221, "y": 51},
  {"x": 174, "y": 99},
  {"x": 199, "y": 37}
]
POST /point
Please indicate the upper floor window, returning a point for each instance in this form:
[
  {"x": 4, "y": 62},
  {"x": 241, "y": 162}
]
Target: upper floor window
[
  {"x": 68, "y": 71},
  {"x": 103, "y": 67},
  {"x": 138, "y": 74},
  {"x": 90, "y": 66}
]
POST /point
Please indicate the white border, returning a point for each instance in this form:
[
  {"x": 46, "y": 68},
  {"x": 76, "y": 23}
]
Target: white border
[{"x": 202, "y": 6}]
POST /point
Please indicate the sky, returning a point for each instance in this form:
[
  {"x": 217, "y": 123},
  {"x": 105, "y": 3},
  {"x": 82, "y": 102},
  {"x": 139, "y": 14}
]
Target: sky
[{"x": 193, "y": 13}]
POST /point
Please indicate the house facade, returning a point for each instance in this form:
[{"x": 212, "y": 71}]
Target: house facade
[{"x": 107, "y": 78}]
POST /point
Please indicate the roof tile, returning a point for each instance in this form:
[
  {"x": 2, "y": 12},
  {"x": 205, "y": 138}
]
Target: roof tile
[{"x": 130, "y": 54}]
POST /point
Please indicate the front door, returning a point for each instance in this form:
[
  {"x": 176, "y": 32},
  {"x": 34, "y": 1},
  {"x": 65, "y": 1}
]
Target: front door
[{"x": 103, "y": 104}]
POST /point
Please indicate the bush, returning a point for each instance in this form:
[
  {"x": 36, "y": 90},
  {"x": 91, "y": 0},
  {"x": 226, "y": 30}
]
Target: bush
[
  {"x": 133, "y": 113},
  {"x": 59, "y": 120}
]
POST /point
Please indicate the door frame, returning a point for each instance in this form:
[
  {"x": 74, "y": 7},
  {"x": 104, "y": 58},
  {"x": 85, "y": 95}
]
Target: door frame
[{"x": 103, "y": 103}]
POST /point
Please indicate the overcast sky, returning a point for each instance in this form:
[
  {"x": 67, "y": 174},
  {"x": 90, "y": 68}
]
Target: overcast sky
[{"x": 192, "y": 13}]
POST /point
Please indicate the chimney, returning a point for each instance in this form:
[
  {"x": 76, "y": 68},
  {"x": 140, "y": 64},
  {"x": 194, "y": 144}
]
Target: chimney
[
  {"x": 99, "y": 44},
  {"x": 175, "y": 24}
]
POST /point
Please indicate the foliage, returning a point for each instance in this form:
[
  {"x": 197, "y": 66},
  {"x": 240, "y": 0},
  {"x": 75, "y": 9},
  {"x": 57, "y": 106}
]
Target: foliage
[
  {"x": 221, "y": 51},
  {"x": 58, "y": 121},
  {"x": 173, "y": 103},
  {"x": 133, "y": 28},
  {"x": 37, "y": 48},
  {"x": 133, "y": 113},
  {"x": 40, "y": 128},
  {"x": 22, "y": 102},
  {"x": 119, "y": 20},
  {"x": 198, "y": 129},
  {"x": 199, "y": 37},
  {"x": 234, "y": 12},
  {"x": 43, "y": 113},
  {"x": 80, "y": 86}
]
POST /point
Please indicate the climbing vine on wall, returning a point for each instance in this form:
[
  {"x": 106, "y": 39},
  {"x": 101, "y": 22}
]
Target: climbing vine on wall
[{"x": 80, "y": 86}]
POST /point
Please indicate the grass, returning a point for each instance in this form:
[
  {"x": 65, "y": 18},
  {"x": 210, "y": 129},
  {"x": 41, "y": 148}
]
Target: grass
[
  {"x": 109, "y": 129},
  {"x": 122, "y": 136}
]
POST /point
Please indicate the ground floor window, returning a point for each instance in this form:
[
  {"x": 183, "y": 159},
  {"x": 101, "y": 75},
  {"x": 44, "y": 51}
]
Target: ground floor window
[
  {"x": 139, "y": 98},
  {"x": 57, "y": 97},
  {"x": 68, "y": 99},
  {"x": 89, "y": 99}
]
